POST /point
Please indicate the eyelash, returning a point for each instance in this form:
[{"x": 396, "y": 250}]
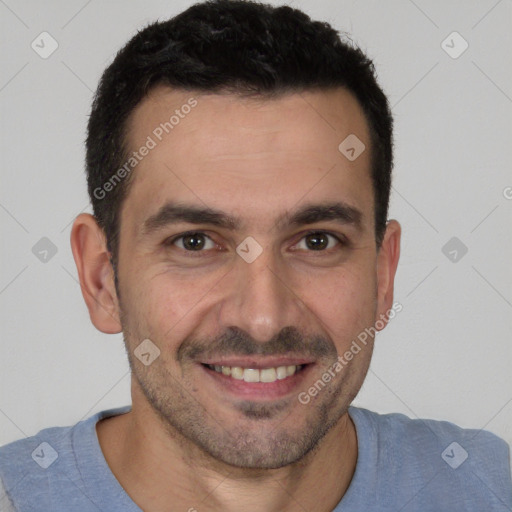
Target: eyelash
[{"x": 342, "y": 241}]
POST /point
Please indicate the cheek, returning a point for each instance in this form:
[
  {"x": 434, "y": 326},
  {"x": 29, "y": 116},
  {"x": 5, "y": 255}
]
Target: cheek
[
  {"x": 344, "y": 303},
  {"x": 168, "y": 306}
]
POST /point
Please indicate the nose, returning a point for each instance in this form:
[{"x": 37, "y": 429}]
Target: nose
[{"x": 260, "y": 298}]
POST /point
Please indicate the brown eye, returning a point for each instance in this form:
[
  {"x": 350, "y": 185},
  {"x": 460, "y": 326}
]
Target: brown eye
[
  {"x": 318, "y": 241},
  {"x": 194, "y": 242}
]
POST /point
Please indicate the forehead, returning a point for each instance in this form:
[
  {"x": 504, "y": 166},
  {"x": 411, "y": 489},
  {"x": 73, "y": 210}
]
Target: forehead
[{"x": 254, "y": 157}]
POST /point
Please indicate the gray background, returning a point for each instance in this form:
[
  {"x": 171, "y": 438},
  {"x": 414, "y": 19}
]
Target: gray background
[{"x": 447, "y": 355}]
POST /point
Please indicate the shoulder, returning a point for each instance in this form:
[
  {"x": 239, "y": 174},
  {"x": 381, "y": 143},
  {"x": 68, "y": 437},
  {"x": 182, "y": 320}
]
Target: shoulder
[
  {"x": 6, "y": 505},
  {"x": 428, "y": 433},
  {"x": 30, "y": 468},
  {"x": 23, "y": 464},
  {"x": 439, "y": 461}
]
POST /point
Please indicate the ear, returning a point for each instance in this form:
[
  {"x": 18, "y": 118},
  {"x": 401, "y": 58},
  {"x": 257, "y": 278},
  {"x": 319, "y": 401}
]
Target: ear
[
  {"x": 387, "y": 262},
  {"x": 96, "y": 274}
]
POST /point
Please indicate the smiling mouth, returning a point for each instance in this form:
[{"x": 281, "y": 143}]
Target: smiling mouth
[{"x": 265, "y": 375}]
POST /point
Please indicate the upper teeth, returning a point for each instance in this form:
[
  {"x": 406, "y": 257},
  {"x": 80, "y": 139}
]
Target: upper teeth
[{"x": 254, "y": 375}]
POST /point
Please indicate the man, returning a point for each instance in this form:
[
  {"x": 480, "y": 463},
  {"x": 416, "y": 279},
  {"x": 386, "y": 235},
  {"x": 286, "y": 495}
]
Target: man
[{"x": 239, "y": 165}]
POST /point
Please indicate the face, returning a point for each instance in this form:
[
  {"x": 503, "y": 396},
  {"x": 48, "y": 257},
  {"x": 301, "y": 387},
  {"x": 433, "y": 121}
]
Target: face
[{"x": 248, "y": 257}]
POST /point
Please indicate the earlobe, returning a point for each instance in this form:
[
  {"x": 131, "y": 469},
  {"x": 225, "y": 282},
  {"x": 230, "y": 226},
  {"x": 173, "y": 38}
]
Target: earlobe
[
  {"x": 95, "y": 272},
  {"x": 387, "y": 262}
]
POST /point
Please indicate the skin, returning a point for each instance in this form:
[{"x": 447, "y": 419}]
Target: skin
[{"x": 222, "y": 447}]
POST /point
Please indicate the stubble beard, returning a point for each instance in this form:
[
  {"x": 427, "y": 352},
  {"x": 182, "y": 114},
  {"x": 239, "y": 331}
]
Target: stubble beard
[
  {"x": 261, "y": 440},
  {"x": 252, "y": 442}
]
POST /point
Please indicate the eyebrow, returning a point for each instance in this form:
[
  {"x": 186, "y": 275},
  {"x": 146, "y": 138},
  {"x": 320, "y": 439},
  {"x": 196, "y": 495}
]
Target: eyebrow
[{"x": 173, "y": 213}]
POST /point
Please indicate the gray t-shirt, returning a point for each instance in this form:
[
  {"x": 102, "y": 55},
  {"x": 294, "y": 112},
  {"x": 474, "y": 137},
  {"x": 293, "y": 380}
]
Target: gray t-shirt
[{"x": 402, "y": 465}]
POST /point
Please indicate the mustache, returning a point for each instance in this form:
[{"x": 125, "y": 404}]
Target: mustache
[{"x": 236, "y": 342}]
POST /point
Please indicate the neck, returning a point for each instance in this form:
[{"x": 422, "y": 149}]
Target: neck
[{"x": 161, "y": 470}]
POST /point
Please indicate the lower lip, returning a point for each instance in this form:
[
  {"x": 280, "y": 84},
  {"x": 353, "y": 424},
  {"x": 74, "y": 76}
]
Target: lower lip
[{"x": 262, "y": 391}]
